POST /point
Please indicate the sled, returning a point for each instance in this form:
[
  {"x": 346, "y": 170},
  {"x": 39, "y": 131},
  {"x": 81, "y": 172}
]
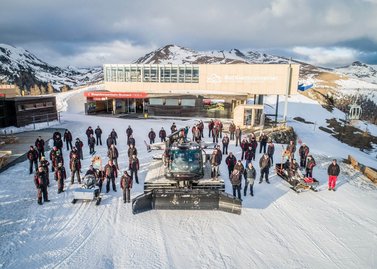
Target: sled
[
  {"x": 89, "y": 191},
  {"x": 299, "y": 183}
]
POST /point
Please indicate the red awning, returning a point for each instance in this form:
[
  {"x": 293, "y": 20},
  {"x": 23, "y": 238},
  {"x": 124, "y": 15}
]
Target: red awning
[{"x": 115, "y": 95}]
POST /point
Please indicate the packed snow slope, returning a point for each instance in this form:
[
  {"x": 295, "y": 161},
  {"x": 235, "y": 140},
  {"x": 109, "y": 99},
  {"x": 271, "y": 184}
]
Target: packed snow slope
[{"x": 278, "y": 228}]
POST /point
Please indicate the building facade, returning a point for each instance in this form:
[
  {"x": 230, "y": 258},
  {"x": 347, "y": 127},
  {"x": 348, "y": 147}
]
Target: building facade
[{"x": 211, "y": 90}]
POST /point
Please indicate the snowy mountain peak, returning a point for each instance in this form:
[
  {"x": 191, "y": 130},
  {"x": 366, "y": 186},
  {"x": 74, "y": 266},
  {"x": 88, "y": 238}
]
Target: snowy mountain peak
[
  {"x": 19, "y": 66},
  {"x": 173, "y": 54},
  {"x": 360, "y": 70}
]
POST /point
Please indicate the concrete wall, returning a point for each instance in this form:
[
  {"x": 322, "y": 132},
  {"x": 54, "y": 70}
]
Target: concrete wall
[{"x": 225, "y": 79}]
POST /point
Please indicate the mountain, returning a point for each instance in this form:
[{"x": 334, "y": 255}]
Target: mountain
[
  {"x": 172, "y": 54},
  {"x": 360, "y": 70},
  {"x": 20, "y": 67}
]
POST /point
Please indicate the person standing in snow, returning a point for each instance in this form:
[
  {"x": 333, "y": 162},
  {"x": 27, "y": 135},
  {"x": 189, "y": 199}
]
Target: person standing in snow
[
  {"x": 67, "y": 138},
  {"x": 238, "y": 134},
  {"x": 111, "y": 174},
  {"x": 89, "y": 132},
  {"x": 232, "y": 129},
  {"x": 134, "y": 166},
  {"x": 98, "y": 132},
  {"x": 225, "y": 142},
  {"x": 129, "y": 132},
  {"x": 40, "y": 181},
  {"x": 309, "y": 166},
  {"x": 131, "y": 141},
  {"x": 114, "y": 136},
  {"x": 303, "y": 151},
  {"x": 79, "y": 145},
  {"x": 60, "y": 175},
  {"x": 271, "y": 151},
  {"x": 173, "y": 128},
  {"x": 44, "y": 163},
  {"x": 291, "y": 149},
  {"x": 151, "y": 136},
  {"x": 32, "y": 156},
  {"x": 126, "y": 185},
  {"x": 263, "y": 143},
  {"x": 40, "y": 146},
  {"x": 333, "y": 171},
  {"x": 113, "y": 155},
  {"x": 162, "y": 134},
  {"x": 264, "y": 165},
  {"x": 75, "y": 166},
  {"x": 230, "y": 162},
  {"x": 249, "y": 175},
  {"x": 92, "y": 143}
]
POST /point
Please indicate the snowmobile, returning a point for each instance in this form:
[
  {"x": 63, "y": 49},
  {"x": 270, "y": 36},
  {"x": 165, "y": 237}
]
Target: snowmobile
[
  {"x": 297, "y": 181},
  {"x": 180, "y": 178},
  {"x": 89, "y": 190}
]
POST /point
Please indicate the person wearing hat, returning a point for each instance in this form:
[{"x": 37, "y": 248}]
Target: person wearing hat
[
  {"x": 32, "y": 156},
  {"x": 303, "y": 151},
  {"x": 173, "y": 128},
  {"x": 162, "y": 134},
  {"x": 40, "y": 181},
  {"x": 151, "y": 136},
  {"x": 126, "y": 185},
  {"x": 333, "y": 172},
  {"x": 89, "y": 132}
]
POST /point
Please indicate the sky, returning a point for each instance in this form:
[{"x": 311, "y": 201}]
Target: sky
[{"x": 93, "y": 32}]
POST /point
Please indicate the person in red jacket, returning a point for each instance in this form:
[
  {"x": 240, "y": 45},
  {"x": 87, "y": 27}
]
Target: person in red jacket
[
  {"x": 333, "y": 171},
  {"x": 230, "y": 162},
  {"x": 126, "y": 186},
  {"x": 162, "y": 134}
]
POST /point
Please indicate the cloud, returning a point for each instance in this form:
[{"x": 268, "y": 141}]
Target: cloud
[
  {"x": 329, "y": 57},
  {"x": 69, "y": 28}
]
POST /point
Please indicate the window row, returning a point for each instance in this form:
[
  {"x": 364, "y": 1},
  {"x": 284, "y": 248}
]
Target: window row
[
  {"x": 161, "y": 74},
  {"x": 171, "y": 102}
]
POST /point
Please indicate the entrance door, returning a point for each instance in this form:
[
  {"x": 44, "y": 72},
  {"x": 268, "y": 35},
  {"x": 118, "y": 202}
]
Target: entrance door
[
  {"x": 131, "y": 105},
  {"x": 139, "y": 105}
]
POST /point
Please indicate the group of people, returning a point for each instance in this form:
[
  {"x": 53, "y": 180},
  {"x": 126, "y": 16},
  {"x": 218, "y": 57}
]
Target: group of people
[
  {"x": 236, "y": 168},
  {"x": 39, "y": 164}
]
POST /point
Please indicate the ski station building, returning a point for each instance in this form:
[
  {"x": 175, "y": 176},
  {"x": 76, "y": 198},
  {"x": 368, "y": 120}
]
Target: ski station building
[{"x": 192, "y": 90}]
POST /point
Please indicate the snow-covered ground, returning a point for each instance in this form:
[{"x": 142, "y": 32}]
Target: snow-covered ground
[{"x": 277, "y": 228}]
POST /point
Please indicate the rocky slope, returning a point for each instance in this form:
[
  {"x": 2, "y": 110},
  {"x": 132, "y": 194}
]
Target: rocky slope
[{"x": 28, "y": 72}]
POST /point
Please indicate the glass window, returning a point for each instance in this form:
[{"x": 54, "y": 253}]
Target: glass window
[
  {"x": 172, "y": 102},
  {"x": 188, "y": 102},
  {"x": 156, "y": 101}
]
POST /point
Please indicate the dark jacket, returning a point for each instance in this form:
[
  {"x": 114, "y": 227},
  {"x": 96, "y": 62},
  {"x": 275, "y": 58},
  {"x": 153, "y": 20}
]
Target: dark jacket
[
  {"x": 111, "y": 171},
  {"x": 264, "y": 163},
  {"x": 162, "y": 134},
  {"x": 40, "y": 179},
  {"x": 32, "y": 155},
  {"x": 231, "y": 161},
  {"x": 126, "y": 182},
  {"x": 333, "y": 170},
  {"x": 215, "y": 159},
  {"x": 129, "y": 131},
  {"x": 270, "y": 149},
  {"x": 152, "y": 135},
  {"x": 134, "y": 164},
  {"x": 112, "y": 153},
  {"x": 75, "y": 164},
  {"x": 132, "y": 151},
  {"x": 89, "y": 131},
  {"x": 98, "y": 131},
  {"x": 67, "y": 136},
  {"x": 225, "y": 140},
  {"x": 40, "y": 144}
]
